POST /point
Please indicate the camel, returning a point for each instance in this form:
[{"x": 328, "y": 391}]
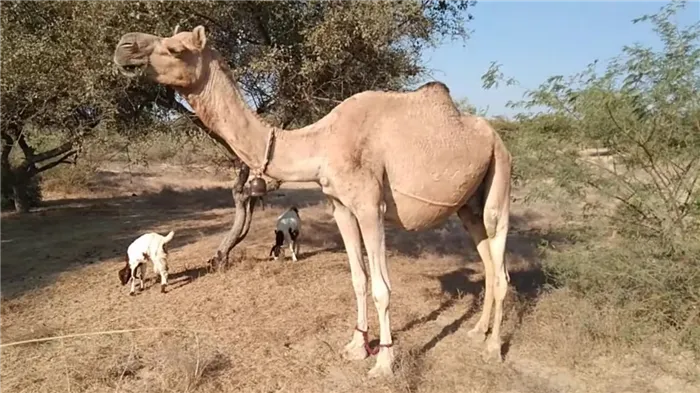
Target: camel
[{"x": 410, "y": 159}]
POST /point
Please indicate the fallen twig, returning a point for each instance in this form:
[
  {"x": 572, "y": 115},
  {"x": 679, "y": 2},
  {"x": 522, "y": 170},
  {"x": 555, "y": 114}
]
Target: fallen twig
[{"x": 107, "y": 332}]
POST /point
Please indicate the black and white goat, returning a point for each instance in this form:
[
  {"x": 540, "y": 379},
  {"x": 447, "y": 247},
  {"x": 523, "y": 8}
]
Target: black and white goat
[
  {"x": 150, "y": 246},
  {"x": 288, "y": 229}
]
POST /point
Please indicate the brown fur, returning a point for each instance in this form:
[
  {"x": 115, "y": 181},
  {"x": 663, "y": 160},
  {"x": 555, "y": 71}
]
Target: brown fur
[{"x": 125, "y": 272}]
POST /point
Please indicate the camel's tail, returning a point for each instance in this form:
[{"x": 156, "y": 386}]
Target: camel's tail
[{"x": 496, "y": 200}]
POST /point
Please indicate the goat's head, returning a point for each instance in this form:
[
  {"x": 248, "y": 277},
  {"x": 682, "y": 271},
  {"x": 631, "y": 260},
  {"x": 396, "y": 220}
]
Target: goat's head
[
  {"x": 277, "y": 248},
  {"x": 125, "y": 273}
]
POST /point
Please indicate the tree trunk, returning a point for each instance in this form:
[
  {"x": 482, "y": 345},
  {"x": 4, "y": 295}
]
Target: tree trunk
[{"x": 20, "y": 195}]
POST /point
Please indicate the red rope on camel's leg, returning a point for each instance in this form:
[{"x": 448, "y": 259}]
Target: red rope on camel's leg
[{"x": 367, "y": 347}]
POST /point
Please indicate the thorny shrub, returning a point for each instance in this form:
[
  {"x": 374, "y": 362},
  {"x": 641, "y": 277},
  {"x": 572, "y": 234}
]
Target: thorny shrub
[{"x": 643, "y": 108}]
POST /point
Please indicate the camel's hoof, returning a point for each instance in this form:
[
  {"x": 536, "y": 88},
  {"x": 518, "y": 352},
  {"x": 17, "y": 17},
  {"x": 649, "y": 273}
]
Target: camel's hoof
[
  {"x": 132, "y": 293},
  {"x": 380, "y": 371},
  {"x": 492, "y": 353},
  {"x": 162, "y": 289},
  {"x": 477, "y": 335},
  {"x": 353, "y": 352}
]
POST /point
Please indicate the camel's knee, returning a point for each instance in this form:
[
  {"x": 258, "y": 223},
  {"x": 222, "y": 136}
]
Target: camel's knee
[
  {"x": 491, "y": 221},
  {"x": 381, "y": 295}
]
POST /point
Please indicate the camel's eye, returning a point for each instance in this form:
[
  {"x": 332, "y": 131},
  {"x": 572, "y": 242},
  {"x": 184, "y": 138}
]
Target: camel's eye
[{"x": 175, "y": 48}]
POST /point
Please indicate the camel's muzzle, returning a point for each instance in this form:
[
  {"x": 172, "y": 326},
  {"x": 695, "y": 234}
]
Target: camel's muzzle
[{"x": 132, "y": 52}]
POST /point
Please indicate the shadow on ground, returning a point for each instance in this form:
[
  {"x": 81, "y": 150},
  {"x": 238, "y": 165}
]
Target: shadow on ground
[
  {"x": 448, "y": 239},
  {"x": 66, "y": 234},
  {"x": 527, "y": 285}
]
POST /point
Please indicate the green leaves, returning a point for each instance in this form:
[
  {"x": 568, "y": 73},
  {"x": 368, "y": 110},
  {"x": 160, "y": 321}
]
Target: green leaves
[
  {"x": 57, "y": 55},
  {"x": 642, "y": 107}
]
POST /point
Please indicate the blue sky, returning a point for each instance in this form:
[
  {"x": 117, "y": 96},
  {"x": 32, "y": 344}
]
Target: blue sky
[{"x": 537, "y": 39}]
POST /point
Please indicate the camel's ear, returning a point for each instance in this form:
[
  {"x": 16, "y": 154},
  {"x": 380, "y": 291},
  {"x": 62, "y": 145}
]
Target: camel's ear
[
  {"x": 177, "y": 27},
  {"x": 199, "y": 38}
]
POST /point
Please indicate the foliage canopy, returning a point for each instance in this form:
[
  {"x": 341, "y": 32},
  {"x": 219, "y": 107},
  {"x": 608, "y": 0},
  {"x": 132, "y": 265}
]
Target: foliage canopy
[{"x": 294, "y": 60}]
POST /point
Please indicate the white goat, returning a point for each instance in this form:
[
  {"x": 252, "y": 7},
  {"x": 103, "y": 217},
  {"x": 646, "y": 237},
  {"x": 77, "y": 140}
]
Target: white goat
[
  {"x": 288, "y": 229},
  {"x": 150, "y": 246}
]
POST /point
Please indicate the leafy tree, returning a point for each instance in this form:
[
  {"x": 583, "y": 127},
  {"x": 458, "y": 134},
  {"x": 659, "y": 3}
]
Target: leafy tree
[{"x": 294, "y": 61}]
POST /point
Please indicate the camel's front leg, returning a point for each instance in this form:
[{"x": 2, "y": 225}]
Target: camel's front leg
[
  {"x": 371, "y": 220},
  {"x": 347, "y": 225}
]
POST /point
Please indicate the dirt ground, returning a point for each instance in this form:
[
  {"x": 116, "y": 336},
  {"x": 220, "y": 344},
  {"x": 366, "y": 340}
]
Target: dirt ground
[{"x": 265, "y": 326}]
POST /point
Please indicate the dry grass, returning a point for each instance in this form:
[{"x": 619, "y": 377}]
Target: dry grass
[{"x": 279, "y": 326}]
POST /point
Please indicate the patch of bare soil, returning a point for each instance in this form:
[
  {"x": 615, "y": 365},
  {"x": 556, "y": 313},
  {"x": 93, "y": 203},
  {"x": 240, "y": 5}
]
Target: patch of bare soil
[{"x": 265, "y": 326}]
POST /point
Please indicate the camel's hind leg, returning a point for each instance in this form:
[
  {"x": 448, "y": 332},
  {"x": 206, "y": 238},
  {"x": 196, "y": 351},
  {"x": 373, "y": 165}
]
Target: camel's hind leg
[
  {"x": 475, "y": 226},
  {"x": 496, "y": 220},
  {"x": 490, "y": 238}
]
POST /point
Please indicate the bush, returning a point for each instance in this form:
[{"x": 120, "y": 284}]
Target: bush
[{"x": 641, "y": 203}]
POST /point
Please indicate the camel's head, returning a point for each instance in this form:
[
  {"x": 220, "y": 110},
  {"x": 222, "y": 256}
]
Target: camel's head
[{"x": 175, "y": 61}]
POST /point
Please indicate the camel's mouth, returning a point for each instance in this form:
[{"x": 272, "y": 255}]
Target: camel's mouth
[
  {"x": 131, "y": 70},
  {"x": 131, "y": 55}
]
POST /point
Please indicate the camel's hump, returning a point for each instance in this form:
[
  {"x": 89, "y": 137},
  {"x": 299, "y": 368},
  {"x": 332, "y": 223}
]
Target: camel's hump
[{"x": 434, "y": 85}]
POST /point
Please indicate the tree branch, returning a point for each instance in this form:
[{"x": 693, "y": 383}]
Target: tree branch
[
  {"x": 212, "y": 20},
  {"x": 652, "y": 171},
  {"x": 26, "y": 149},
  {"x": 326, "y": 100},
  {"x": 267, "y": 40},
  {"x": 47, "y": 155},
  {"x": 62, "y": 160}
]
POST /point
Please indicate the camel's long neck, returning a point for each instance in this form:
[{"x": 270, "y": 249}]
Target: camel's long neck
[{"x": 293, "y": 156}]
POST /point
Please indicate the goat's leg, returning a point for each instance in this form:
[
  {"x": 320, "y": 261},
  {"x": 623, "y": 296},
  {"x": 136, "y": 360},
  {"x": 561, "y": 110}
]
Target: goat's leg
[
  {"x": 292, "y": 249},
  {"x": 350, "y": 232},
  {"x": 140, "y": 269},
  {"x": 133, "y": 281},
  {"x": 163, "y": 280}
]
